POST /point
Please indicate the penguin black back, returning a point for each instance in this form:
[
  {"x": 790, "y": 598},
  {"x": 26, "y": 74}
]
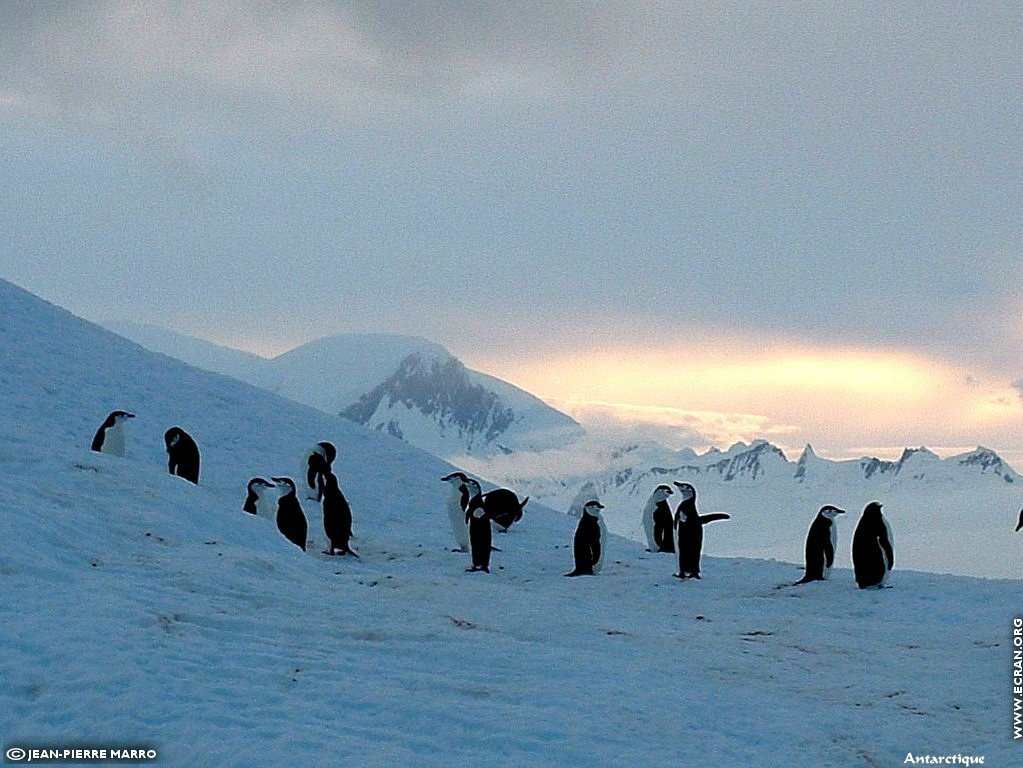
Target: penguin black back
[
  {"x": 588, "y": 542},
  {"x": 503, "y": 507},
  {"x": 291, "y": 520},
  {"x": 337, "y": 518},
  {"x": 182, "y": 454},
  {"x": 481, "y": 535},
  {"x": 872, "y": 553},
  {"x": 819, "y": 550}
]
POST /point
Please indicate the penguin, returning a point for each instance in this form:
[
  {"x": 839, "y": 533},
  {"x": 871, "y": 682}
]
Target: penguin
[
  {"x": 478, "y": 527},
  {"x": 689, "y": 532},
  {"x": 820, "y": 544},
  {"x": 1020, "y": 523},
  {"x": 291, "y": 520},
  {"x": 110, "y": 435},
  {"x": 657, "y": 521},
  {"x": 256, "y": 502},
  {"x": 458, "y": 503},
  {"x": 588, "y": 543},
  {"x": 872, "y": 553},
  {"x": 182, "y": 454},
  {"x": 318, "y": 466},
  {"x": 337, "y": 518},
  {"x": 503, "y": 508}
]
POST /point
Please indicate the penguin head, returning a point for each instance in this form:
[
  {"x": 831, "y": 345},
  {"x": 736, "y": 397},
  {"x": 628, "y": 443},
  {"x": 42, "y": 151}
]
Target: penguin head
[
  {"x": 593, "y": 507},
  {"x": 118, "y": 417},
  {"x": 171, "y": 437},
  {"x": 662, "y": 492},
  {"x": 873, "y": 508},
  {"x": 831, "y": 512},
  {"x": 287, "y": 484},
  {"x": 326, "y": 450},
  {"x": 474, "y": 487},
  {"x": 455, "y": 478},
  {"x": 686, "y": 491},
  {"x": 259, "y": 486}
]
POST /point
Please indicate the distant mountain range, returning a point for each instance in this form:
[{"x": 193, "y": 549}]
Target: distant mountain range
[{"x": 405, "y": 386}]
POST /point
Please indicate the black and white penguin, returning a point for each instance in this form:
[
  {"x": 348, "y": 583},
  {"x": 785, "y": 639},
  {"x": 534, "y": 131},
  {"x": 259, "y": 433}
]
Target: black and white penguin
[
  {"x": 1019, "y": 525},
  {"x": 110, "y": 435},
  {"x": 689, "y": 532},
  {"x": 291, "y": 520},
  {"x": 182, "y": 454},
  {"x": 337, "y": 518},
  {"x": 458, "y": 503},
  {"x": 821, "y": 540},
  {"x": 657, "y": 521},
  {"x": 318, "y": 466},
  {"x": 872, "y": 553},
  {"x": 478, "y": 527},
  {"x": 256, "y": 501},
  {"x": 504, "y": 508},
  {"x": 588, "y": 543}
]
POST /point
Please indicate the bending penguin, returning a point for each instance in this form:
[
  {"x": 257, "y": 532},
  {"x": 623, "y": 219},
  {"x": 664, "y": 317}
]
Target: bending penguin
[
  {"x": 478, "y": 527},
  {"x": 458, "y": 504},
  {"x": 318, "y": 466},
  {"x": 109, "y": 437},
  {"x": 182, "y": 454},
  {"x": 588, "y": 543},
  {"x": 256, "y": 501},
  {"x": 821, "y": 540},
  {"x": 504, "y": 508},
  {"x": 291, "y": 520},
  {"x": 337, "y": 518},
  {"x": 872, "y": 553},
  {"x": 689, "y": 532},
  {"x": 657, "y": 521}
]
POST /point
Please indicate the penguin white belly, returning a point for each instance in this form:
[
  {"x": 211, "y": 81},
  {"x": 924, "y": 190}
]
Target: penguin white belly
[
  {"x": 834, "y": 548},
  {"x": 648, "y": 527},
  {"x": 113, "y": 440},
  {"x": 456, "y": 515},
  {"x": 884, "y": 555},
  {"x": 603, "y": 545},
  {"x": 266, "y": 507}
]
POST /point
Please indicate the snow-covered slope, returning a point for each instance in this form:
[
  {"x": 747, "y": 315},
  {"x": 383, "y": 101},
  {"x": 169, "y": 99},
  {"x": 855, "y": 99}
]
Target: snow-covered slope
[
  {"x": 140, "y": 608},
  {"x": 952, "y": 515},
  {"x": 405, "y": 386}
]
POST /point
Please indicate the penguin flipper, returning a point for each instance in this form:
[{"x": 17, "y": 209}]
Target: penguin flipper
[{"x": 704, "y": 519}]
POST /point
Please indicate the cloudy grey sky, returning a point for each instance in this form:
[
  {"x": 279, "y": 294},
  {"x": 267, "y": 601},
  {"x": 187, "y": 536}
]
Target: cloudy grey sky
[{"x": 568, "y": 187}]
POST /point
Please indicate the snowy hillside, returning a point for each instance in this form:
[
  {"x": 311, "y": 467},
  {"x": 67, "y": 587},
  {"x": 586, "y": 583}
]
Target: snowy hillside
[
  {"x": 953, "y": 515},
  {"x": 140, "y": 608},
  {"x": 405, "y": 386}
]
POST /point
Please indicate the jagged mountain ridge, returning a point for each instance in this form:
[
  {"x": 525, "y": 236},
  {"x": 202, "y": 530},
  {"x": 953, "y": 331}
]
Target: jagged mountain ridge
[
  {"x": 761, "y": 459},
  {"x": 438, "y": 388}
]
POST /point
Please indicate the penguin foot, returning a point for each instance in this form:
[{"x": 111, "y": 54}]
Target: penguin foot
[{"x": 330, "y": 552}]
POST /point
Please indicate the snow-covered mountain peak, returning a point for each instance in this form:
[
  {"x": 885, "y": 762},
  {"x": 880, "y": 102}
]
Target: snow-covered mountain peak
[{"x": 435, "y": 402}]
